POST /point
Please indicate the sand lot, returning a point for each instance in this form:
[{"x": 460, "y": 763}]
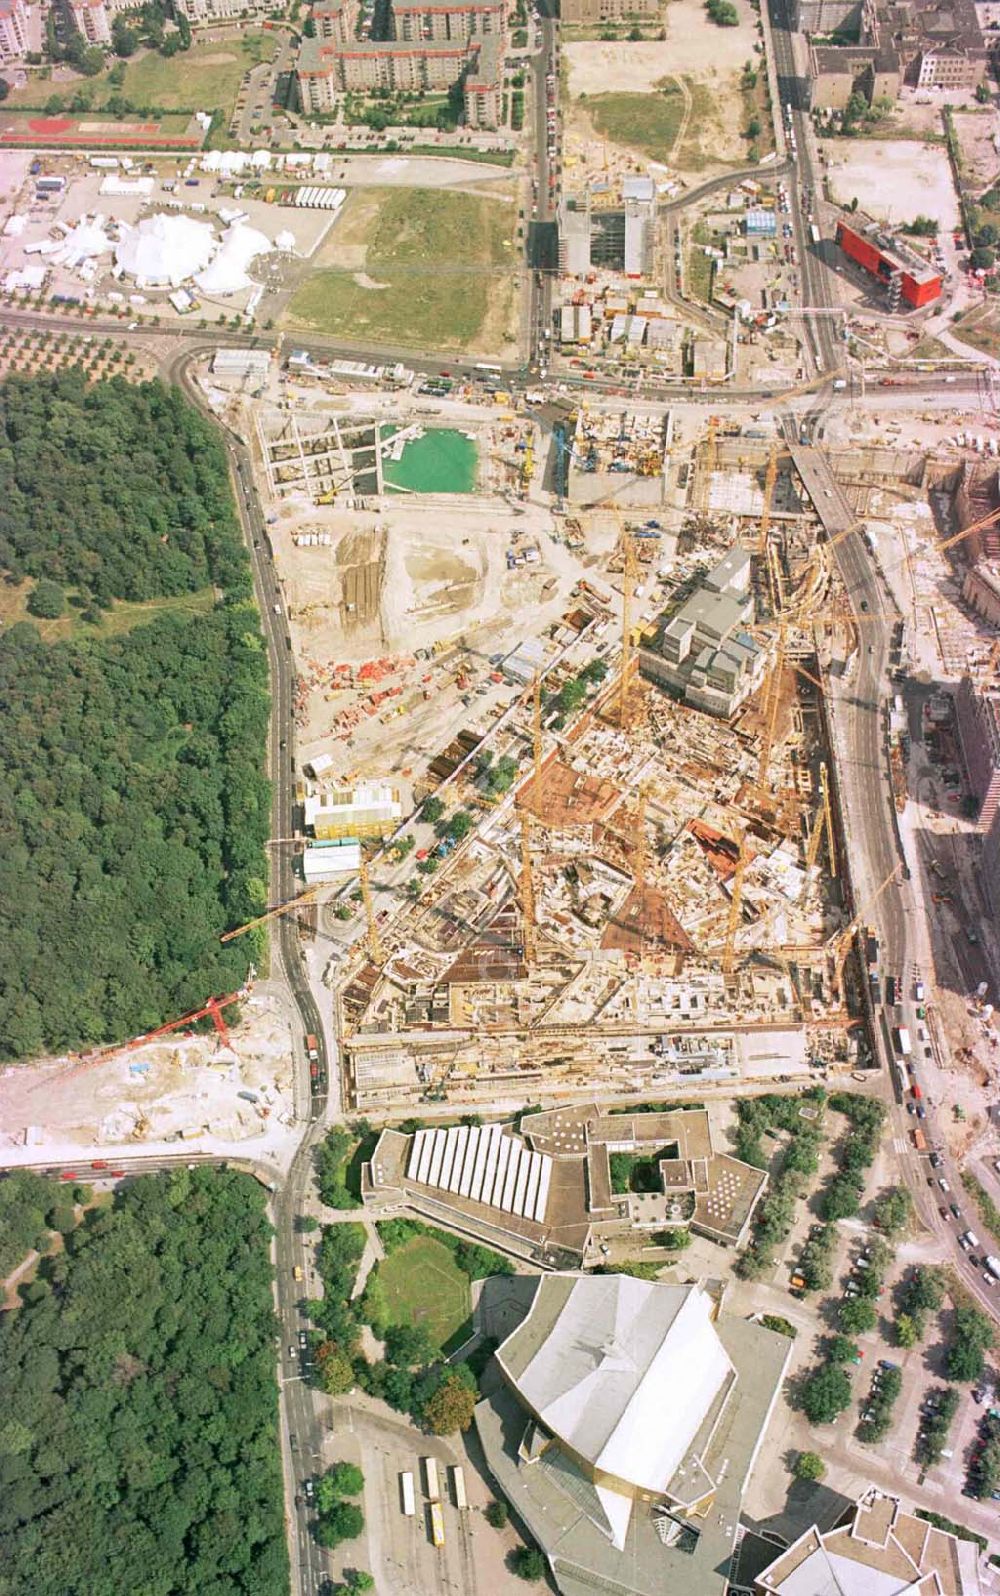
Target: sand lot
[
  {"x": 976, "y": 134},
  {"x": 894, "y": 180},
  {"x": 146, "y": 1095},
  {"x": 694, "y": 47}
]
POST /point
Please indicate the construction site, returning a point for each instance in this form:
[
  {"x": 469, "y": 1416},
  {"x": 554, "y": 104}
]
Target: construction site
[
  {"x": 612, "y": 856},
  {"x": 661, "y": 882}
]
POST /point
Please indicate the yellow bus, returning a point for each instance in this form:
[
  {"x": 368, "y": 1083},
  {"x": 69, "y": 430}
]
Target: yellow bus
[{"x": 437, "y": 1524}]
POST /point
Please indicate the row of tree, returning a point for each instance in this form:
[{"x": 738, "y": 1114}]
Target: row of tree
[
  {"x": 114, "y": 490},
  {"x": 138, "y": 1443},
  {"x": 133, "y": 806}
]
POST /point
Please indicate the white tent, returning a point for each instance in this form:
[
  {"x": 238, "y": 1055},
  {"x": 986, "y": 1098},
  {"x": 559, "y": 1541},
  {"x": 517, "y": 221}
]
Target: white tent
[
  {"x": 228, "y": 273},
  {"x": 86, "y": 241},
  {"x": 162, "y": 251},
  {"x": 285, "y": 241}
]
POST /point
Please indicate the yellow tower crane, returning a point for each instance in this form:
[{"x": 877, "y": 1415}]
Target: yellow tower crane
[
  {"x": 774, "y": 696},
  {"x": 536, "y": 746},
  {"x": 639, "y": 851},
  {"x": 272, "y": 914},
  {"x": 822, "y": 823},
  {"x": 630, "y": 569},
  {"x": 840, "y": 944},
  {"x": 735, "y": 907},
  {"x": 770, "y": 478},
  {"x": 526, "y": 890},
  {"x": 374, "y": 940}
]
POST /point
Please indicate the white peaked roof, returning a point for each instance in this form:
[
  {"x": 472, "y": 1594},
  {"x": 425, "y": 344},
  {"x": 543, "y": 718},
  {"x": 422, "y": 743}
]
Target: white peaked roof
[
  {"x": 624, "y": 1371},
  {"x": 164, "y": 250},
  {"x": 227, "y": 273}
]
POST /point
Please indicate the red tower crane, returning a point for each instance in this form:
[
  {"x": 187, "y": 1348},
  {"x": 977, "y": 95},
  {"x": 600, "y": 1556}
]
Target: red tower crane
[{"x": 212, "y": 1008}]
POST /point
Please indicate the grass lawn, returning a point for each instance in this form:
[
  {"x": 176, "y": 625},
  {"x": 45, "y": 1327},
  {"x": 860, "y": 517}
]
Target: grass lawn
[
  {"x": 204, "y": 78},
  {"x": 646, "y": 122},
  {"x": 423, "y": 1285},
  {"x": 439, "y": 261},
  {"x": 981, "y": 329},
  {"x": 122, "y": 616}
]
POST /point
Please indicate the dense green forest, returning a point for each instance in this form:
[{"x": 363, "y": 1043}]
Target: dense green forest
[
  {"x": 138, "y": 1443},
  {"x": 133, "y": 805},
  {"x": 115, "y": 490}
]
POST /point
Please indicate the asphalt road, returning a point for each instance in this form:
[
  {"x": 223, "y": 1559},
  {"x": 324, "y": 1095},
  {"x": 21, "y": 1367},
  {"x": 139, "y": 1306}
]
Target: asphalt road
[
  {"x": 819, "y": 332},
  {"x": 862, "y": 776},
  {"x": 302, "y": 1429}
]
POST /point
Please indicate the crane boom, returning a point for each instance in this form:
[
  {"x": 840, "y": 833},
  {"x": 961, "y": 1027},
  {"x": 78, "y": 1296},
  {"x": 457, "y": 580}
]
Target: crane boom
[
  {"x": 735, "y": 907},
  {"x": 527, "y": 891},
  {"x": 770, "y": 477},
  {"x": 271, "y": 914},
  {"x": 629, "y": 569},
  {"x": 373, "y": 938},
  {"x": 211, "y": 1008},
  {"x": 536, "y": 745}
]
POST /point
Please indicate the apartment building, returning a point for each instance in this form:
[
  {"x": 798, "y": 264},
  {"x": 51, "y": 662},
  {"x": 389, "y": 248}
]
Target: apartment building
[
  {"x": 336, "y": 21},
  {"x": 590, "y": 11},
  {"x": 432, "y": 47},
  {"x": 202, "y": 13},
  {"x": 417, "y": 22},
  {"x": 93, "y": 20},
  {"x": 13, "y": 30}
]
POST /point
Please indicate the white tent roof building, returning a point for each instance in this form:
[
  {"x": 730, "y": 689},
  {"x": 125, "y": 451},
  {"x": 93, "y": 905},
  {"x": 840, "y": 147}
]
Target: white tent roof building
[
  {"x": 227, "y": 273},
  {"x": 630, "y": 1375},
  {"x": 163, "y": 251}
]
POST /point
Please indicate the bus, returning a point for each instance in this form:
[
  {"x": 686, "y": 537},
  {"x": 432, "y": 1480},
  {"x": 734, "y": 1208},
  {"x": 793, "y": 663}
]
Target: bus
[
  {"x": 489, "y": 367},
  {"x": 458, "y": 1487},
  {"x": 901, "y": 1040},
  {"x": 814, "y": 232},
  {"x": 407, "y": 1493},
  {"x": 437, "y": 1524},
  {"x": 431, "y": 1479}
]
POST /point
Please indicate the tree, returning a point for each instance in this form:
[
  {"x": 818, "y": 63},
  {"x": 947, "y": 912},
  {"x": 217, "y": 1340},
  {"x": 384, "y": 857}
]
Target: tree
[
  {"x": 47, "y": 600},
  {"x": 857, "y": 1315},
  {"x": 432, "y": 810},
  {"x": 808, "y": 1466},
  {"x": 675, "y": 1239},
  {"x": 972, "y": 1336},
  {"x": 459, "y": 825},
  {"x": 982, "y": 259},
  {"x": 840, "y": 1199},
  {"x": 826, "y": 1394},
  {"x": 753, "y": 128},
  {"x": 450, "y": 1408},
  {"x": 841, "y": 1349},
  {"x": 528, "y": 1562},
  {"x": 358, "y": 1579},
  {"x": 124, "y": 39},
  {"x": 334, "y": 1369},
  {"x": 344, "y": 1522},
  {"x": 408, "y": 1344},
  {"x": 893, "y": 1210},
  {"x": 497, "y": 1513},
  {"x": 340, "y": 1480},
  {"x": 4, "y": 89},
  {"x": 905, "y": 1331},
  {"x": 307, "y": 1223}
]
